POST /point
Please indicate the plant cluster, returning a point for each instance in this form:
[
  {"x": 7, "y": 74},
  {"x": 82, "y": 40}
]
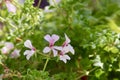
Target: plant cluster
[{"x": 88, "y": 29}]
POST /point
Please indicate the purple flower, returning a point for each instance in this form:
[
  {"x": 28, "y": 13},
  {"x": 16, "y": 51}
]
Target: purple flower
[
  {"x": 30, "y": 52},
  {"x": 7, "y": 47},
  {"x": 15, "y": 53},
  {"x": 51, "y": 39},
  {"x": 10, "y": 6}
]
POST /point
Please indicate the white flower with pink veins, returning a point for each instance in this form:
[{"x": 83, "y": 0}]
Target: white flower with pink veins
[
  {"x": 64, "y": 49},
  {"x": 30, "y": 52},
  {"x": 51, "y": 39}
]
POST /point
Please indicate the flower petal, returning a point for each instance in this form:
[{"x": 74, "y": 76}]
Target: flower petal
[
  {"x": 15, "y": 54},
  {"x": 9, "y": 45},
  {"x": 65, "y": 50},
  {"x": 46, "y": 50},
  {"x": 10, "y": 6},
  {"x": 55, "y": 37},
  {"x": 67, "y": 39},
  {"x": 98, "y": 64},
  {"x": 71, "y": 49},
  {"x": 28, "y": 44},
  {"x": 55, "y": 52},
  {"x": 4, "y": 50},
  {"x": 28, "y": 53},
  {"x": 47, "y": 38},
  {"x": 64, "y": 58},
  {"x": 57, "y": 47}
]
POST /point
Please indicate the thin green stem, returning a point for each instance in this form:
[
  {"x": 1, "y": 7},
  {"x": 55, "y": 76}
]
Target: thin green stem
[
  {"x": 42, "y": 54},
  {"x": 46, "y": 63},
  {"x": 39, "y": 3}
]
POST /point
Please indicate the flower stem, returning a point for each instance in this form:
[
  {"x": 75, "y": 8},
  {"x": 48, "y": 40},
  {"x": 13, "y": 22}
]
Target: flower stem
[
  {"x": 46, "y": 62},
  {"x": 39, "y": 3}
]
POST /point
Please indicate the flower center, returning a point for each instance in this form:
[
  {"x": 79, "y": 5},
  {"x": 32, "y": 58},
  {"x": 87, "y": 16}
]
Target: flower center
[
  {"x": 34, "y": 49},
  {"x": 61, "y": 53},
  {"x": 65, "y": 44}
]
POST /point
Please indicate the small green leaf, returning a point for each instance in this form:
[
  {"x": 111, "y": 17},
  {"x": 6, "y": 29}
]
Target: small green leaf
[
  {"x": 98, "y": 73},
  {"x": 114, "y": 50}
]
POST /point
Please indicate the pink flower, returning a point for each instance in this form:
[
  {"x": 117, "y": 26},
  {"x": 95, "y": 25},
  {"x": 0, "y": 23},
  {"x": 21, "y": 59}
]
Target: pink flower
[
  {"x": 65, "y": 48},
  {"x": 10, "y": 6},
  {"x": 7, "y": 47},
  {"x": 15, "y": 53},
  {"x": 51, "y": 39},
  {"x": 62, "y": 55},
  {"x": 66, "y": 44},
  {"x": 30, "y": 52}
]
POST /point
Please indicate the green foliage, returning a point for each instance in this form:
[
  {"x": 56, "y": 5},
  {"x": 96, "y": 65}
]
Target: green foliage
[{"x": 36, "y": 75}]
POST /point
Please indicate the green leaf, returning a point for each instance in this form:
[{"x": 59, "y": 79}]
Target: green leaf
[{"x": 98, "y": 73}]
